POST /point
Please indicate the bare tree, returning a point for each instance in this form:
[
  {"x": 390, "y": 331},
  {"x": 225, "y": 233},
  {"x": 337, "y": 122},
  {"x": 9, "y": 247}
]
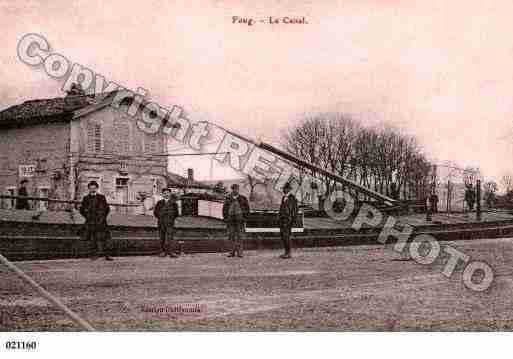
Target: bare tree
[
  {"x": 470, "y": 175},
  {"x": 381, "y": 157},
  {"x": 251, "y": 182},
  {"x": 507, "y": 182}
]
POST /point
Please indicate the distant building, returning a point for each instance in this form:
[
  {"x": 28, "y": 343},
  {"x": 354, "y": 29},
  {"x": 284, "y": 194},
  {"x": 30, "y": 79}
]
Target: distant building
[
  {"x": 188, "y": 184},
  {"x": 61, "y": 144}
]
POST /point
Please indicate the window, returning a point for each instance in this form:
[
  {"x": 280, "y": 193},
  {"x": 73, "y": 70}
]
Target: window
[
  {"x": 122, "y": 135},
  {"x": 10, "y": 202},
  {"x": 123, "y": 166},
  {"x": 150, "y": 144},
  {"x": 121, "y": 182},
  {"x": 150, "y": 147},
  {"x": 43, "y": 192},
  {"x": 94, "y": 137},
  {"x": 122, "y": 194}
]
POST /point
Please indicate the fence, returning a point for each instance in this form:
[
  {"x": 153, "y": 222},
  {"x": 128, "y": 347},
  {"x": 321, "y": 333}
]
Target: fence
[
  {"x": 58, "y": 204},
  {"x": 201, "y": 207}
]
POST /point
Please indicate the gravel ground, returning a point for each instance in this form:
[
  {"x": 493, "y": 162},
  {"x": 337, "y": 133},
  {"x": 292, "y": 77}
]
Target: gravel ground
[{"x": 343, "y": 288}]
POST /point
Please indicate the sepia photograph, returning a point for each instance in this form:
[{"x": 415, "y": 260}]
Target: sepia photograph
[{"x": 237, "y": 168}]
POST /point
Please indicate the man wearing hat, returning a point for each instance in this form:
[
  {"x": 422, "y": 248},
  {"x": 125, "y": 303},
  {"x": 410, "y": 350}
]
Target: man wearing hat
[
  {"x": 94, "y": 209},
  {"x": 235, "y": 213},
  {"x": 287, "y": 216},
  {"x": 166, "y": 211}
]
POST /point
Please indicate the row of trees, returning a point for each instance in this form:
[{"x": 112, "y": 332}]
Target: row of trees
[
  {"x": 491, "y": 189},
  {"x": 381, "y": 158},
  {"x": 506, "y": 200}
]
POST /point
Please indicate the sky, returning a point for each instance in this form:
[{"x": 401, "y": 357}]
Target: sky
[{"x": 441, "y": 71}]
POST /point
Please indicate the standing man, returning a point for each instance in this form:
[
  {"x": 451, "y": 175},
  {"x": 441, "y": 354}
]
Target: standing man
[
  {"x": 470, "y": 197},
  {"x": 434, "y": 202},
  {"x": 235, "y": 213},
  {"x": 166, "y": 211},
  {"x": 23, "y": 203},
  {"x": 94, "y": 209},
  {"x": 287, "y": 216}
]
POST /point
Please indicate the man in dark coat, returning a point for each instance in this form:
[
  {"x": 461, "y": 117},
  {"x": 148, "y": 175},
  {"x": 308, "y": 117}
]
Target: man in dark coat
[
  {"x": 433, "y": 199},
  {"x": 94, "y": 209},
  {"x": 470, "y": 197},
  {"x": 22, "y": 203},
  {"x": 287, "y": 216},
  {"x": 166, "y": 211},
  {"x": 235, "y": 213}
]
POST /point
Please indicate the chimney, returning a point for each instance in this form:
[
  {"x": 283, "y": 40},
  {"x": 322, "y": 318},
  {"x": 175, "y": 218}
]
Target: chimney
[
  {"x": 190, "y": 174},
  {"x": 75, "y": 98},
  {"x": 75, "y": 90}
]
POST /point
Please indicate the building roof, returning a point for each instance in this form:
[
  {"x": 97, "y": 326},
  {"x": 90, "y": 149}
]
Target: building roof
[
  {"x": 44, "y": 110},
  {"x": 55, "y": 109},
  {"x": 61, "y": 108}
]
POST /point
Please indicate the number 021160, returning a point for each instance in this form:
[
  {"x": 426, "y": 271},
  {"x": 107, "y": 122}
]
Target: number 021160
[{"x": 20, "y": 345}]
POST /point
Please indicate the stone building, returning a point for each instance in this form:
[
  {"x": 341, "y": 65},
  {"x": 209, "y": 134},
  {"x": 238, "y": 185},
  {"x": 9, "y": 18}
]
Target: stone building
[{"x": 61, "y": 144}]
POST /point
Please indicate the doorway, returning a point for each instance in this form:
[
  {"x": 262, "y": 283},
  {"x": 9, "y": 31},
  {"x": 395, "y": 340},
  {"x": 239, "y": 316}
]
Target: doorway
[
  {"x": 43, "y": 193},
  {"x": 122, "y": 194}
]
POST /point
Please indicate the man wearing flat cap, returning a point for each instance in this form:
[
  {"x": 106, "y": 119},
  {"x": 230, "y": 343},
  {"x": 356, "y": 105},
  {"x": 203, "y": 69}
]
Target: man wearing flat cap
[
  {"x": 94, "y": 209},
  {"x": 166, "y": 211},
  {"x": 287, "y": 216},
  {"x": 235, "y": 213}
]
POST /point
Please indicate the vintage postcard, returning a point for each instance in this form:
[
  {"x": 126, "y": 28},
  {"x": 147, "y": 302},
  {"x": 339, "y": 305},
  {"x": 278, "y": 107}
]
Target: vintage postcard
[{"x": 234, "y": 166}]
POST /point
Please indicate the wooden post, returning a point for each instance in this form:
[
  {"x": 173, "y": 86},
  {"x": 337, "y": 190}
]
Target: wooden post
[
  {"x": 428, "y": 212},
  {"x": 429, "y": 216},
  {"x": 478, "y": 198},
  {"x": 449, "y": 194},
  {"x": 45, "y": 294}
]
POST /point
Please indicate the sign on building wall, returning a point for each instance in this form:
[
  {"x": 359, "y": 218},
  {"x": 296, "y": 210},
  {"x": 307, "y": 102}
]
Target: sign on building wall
[{"x": 27, "y": 170}]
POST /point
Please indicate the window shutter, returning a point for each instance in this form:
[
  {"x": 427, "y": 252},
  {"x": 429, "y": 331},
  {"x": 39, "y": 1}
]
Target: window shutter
[
  {"x": 97, "y": 138},
  {"x": 94, "y": 137},
  {"x": 90, "y": 138},
  {"x": 122, "y": 132},
  {"x": 150, "y": 144}
]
